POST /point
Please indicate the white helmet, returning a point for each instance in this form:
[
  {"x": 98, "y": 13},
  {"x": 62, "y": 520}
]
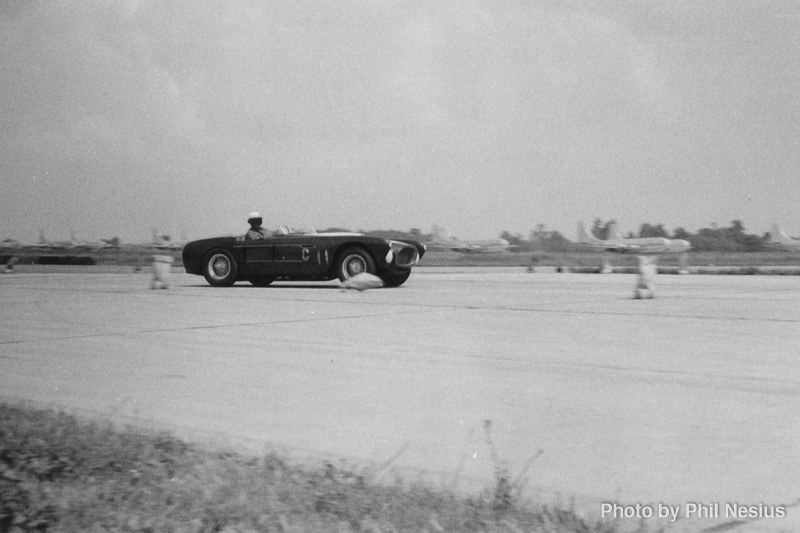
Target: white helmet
[{"x": 253, "y": 215}]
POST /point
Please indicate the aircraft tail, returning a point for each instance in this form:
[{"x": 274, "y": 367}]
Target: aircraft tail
[
  {"x": 777, "y": 232},
  {"x": 586, "y": 237},
  {"x": 440, "y": 235},
  {"x": 778, "y": 235}
]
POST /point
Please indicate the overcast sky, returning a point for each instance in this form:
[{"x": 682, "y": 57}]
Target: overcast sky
[{"x": 117, "y": 117}]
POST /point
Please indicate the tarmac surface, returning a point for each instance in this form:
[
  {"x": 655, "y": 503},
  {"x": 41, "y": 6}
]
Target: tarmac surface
[{"x": 563, "y": 383}]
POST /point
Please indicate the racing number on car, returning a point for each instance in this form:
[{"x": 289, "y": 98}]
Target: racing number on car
[
  {"x": 306, "y": 253},
  {"x": 289, "y": 253}
]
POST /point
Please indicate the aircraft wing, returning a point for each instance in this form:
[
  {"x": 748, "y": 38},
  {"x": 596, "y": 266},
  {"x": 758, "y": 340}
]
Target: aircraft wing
[{"x": 610, "y": 247}]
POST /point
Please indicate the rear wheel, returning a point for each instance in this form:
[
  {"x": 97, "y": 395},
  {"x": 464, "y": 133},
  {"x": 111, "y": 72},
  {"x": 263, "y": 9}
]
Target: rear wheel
[
  {"x": 220, "y": 269},
  {"x": 396, "y": 280},
  {"x": 261, "y": 282},
  {"x": 352, "y": 262}
]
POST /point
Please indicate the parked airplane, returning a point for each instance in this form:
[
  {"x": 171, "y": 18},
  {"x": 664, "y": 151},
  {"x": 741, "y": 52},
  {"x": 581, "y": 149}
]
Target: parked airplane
[
  {"x": 75, "y": 244},
  {"x": 442, "y": 240},
  {"x": 778, "y": 238},
  {"x": 10, "y": 244},
  {"x": 87, "y": 246},
  {"x": 72, "y": 245},
  {"x": 163, "y": 242},
  {"x": 41, "y": 245},
  {"x": 640, "y": 246}
]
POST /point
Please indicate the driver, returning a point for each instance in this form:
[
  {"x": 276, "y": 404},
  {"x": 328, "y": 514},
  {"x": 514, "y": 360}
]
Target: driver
[{"x": 256, "y": 231}]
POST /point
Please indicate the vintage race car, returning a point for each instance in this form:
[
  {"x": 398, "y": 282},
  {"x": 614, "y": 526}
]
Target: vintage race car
[{"x": 301, "y": 256}]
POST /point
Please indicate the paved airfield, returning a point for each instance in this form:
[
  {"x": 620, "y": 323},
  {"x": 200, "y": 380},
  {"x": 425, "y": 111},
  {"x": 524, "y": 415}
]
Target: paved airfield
[{"x": 693, "y": 396}]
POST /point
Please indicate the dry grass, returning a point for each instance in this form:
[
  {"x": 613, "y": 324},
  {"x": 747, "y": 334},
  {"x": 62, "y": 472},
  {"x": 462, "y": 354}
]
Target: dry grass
[{"x": 58, "y": 473}]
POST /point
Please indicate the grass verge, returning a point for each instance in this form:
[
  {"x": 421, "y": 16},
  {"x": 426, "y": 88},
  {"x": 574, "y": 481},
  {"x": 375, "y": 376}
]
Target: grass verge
[{"x": 60, "y": 473}]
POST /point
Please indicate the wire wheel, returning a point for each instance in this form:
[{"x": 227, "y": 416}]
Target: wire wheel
[
  {"x": 354, "y": 261},
  {"x": 220, "y": 269},
  {"x": 354, "y": 265},
  {"x": 219, "y": 266}
]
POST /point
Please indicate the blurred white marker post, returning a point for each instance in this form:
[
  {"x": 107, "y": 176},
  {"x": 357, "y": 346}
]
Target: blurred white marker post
[
  {"x": 10, "y": 265},
  {"x": 161, "y": 268},
  {"x": 605, "y": 265},
  {"x": 646, "y": 281},
  {"x": 683, "y": 265}
]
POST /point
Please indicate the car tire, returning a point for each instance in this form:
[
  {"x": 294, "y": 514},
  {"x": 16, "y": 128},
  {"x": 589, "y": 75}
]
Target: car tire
[
  {"x": 261, "y": 282},
  {"x": 396, "y": 280},
  {"x": 220, "y": 268},
  {"x": 354, "y": 261}
]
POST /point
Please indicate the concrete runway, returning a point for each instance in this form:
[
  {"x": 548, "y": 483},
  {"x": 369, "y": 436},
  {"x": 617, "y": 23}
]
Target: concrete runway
[{"x": 692, "y": 396}]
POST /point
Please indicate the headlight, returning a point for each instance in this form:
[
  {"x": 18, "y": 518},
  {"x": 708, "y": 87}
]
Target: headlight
[{"x": 389, "y": 256}]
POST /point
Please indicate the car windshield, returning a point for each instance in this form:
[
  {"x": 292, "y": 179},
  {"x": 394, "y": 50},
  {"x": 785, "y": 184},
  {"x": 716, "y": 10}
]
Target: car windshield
[{"x": 294, "y": 230}]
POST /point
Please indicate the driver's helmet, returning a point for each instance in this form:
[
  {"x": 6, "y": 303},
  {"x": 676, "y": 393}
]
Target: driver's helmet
[{"x": 254, "y": 216}]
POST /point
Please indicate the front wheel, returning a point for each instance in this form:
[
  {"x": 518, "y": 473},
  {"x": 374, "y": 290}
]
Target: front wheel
[
  {"x": 352, "y": 262},
  {"x": 220, "y": 269},
  {"x": 396, "y": 280}
]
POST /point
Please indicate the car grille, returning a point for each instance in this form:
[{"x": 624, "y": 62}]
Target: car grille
[{"x": 406, "y": 257}]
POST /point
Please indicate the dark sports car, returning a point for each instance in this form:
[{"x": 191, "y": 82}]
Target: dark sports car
[{"x": 301, "y": 256}]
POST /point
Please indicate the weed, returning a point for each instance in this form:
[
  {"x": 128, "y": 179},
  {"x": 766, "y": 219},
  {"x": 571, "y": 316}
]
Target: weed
[{"x": 59, "y": 474}]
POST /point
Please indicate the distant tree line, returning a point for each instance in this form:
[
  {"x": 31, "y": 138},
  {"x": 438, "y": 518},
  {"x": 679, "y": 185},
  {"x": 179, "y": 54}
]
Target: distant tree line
[{"x": 733, "y": 238}]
